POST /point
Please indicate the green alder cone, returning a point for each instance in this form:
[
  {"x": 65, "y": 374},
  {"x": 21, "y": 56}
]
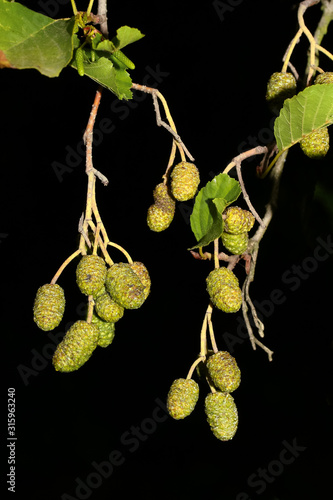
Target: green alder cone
[
  {"x": 125, "y": 286},
  {"x": 223, "y": 289},
  {"x": 163, "y": 198},
  {"x": 76, "y": 347},
  {"x": 107, "y": 309},
  {"x": 140, "y": 269},
  {"x": 228, "y": 299},
  {"x": 49, "y": 306},
  {"x": 185, "y": 180},
  {"x": 280, "y": 87},
  {"x": 106, "y": 331},
  {"x": 182, "y": 398},
  {"x": 161, "y": 213},
  {"x": 90, "y": 274},
  {"x": 316, "y": 144},
  {"x": 218, "y": 277},
  {"x": 326, "y": 77},
  {"x": 235, "y": 243},
  {"x": 158, "y": 219},
  {"x": 224, "y": 372},
  {"x": 222, "y": 415},
  {"x": 100, "y": 292},
  {"x": 237, "y": 220}
]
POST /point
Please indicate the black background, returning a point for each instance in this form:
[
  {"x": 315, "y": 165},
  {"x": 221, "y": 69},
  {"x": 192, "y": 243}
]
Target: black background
[{"x": 215, "y": 73}]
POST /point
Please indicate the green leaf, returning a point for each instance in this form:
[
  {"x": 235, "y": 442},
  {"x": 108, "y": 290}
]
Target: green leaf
[
  {"x": 304, "y": 113},
  {"x": 109, "y": 68},
  {"x": 108, "y": 46},
  {"x": 104, "y": 72},
  {"x": 216, "y": 207},
  {"x": 125, "y": 36},
  {"x": 104, "y": 45},
  {"x": 31, "y": 40},
  {"x": 206, "y": 218}
]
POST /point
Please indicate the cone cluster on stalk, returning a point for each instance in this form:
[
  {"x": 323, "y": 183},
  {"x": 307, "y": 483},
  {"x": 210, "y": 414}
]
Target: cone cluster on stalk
[
  {"x": 185, "y": 180},
  {"x": 237, "y": 224},
  {"x": 223, "y": 375},
  {"x": 223, "y": 289},
  {"x": 113, "y": 290}
]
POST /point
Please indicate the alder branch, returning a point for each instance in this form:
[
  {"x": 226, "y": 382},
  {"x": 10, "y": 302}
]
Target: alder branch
[
  {"x": 171, "y": 128},
  {"x": 103, "y": 18},
  {"x": 321, "y": 30},
  {"x": 236, "y": 162},
  {"x": 253, "y": 249}
]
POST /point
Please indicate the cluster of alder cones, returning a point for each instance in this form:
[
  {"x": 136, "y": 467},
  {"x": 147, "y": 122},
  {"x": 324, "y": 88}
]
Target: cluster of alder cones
[
  {"x": 113, "y": 290},
  {"x": 224, "y": 376},
  {"x": 185, "y": 180}
]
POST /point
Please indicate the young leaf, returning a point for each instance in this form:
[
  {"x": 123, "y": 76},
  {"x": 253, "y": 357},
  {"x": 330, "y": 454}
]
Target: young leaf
[
  {"x": 304, "y": 113},
  {"x": 31, "y": 40},
  {"x": 125, "y": 36},
  {"x": 108, "y": 46},
  {"x": 206, "y": 218},
  {"x": 106, "y": 74},
  {"x": 216, "y": 207}
]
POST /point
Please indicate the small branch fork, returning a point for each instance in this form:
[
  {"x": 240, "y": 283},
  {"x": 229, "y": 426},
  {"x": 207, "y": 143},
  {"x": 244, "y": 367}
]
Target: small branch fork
[
  {"x": 250, "y": 256},
  {"x": 170, "y": 126},
  {"x": 314, "y": 41},
  {"x": 237, "y": 162},
  {"x": 90, "y": 223}
]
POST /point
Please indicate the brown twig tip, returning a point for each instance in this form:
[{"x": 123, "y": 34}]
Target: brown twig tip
[
  {"x": 82, "y": 231},
  {"x": 101, "y": 177},
  {"x": 170, "y": 126},
  {"x": 203, "y": 256}
]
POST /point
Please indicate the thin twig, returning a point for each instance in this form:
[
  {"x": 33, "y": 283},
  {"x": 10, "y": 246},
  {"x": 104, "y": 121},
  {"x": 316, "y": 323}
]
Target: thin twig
[
  {"x": 211, "y": 329},
  {"x": 203, "y": 336},
  {"x": 170, "y": 162},
  {"x": 63, "y": 265},
  {"x": 82, "y": 231},
  {"x": 194, "y": 365},
  {"x": 321, "y": 30},
  {"x": 216, "y": 253},
  {"x": 90, "y": 311},
  {"x": 253, "y": 249},
  {"x": 103, "y": 18},
  {"x": 169, "y": 127},
  {"x": 246, "y": 196},
  {"x": 265, "y": 348},
  {"x": 246, "y": 295},
  {"x": 127, "y": 255},
  {"x": 101, "y": 177},
  {"x": 101, "y": 244},
  {"x": 91, "y": 205},
  {"x": 290, "y": 50},
  {"x": 236, "y": 162},
  {"x": 301, "y": 11}
]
